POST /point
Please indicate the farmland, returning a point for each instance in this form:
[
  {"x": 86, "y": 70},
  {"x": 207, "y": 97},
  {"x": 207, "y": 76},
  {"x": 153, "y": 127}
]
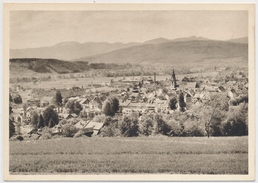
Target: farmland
[
  {"x": 158, "y": 154},
  {"x": 68, "y": 83}
]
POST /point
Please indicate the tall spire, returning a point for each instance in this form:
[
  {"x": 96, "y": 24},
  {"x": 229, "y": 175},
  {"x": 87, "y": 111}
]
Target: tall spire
[{"x": 173, "y": 79}]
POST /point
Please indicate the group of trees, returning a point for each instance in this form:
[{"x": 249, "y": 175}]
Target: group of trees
[
  {"x": 49, "y": 118},
  {"x": 181, "y": 102},
  {"x": 73, "y": 107}
]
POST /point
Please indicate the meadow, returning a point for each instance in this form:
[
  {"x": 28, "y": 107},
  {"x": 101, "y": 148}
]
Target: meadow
[{"x": 96, "y": 155}]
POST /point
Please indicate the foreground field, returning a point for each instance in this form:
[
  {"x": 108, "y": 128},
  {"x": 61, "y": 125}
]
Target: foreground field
[{"x": 184, "y": 155}]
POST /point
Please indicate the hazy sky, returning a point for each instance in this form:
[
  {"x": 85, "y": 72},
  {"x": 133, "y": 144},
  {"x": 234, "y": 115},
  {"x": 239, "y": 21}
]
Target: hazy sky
[{"x": 30, "y": 29}]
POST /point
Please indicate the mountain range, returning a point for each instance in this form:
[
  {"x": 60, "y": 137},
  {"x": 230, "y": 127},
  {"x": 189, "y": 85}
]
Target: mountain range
[{"x": 116, "y": 52}]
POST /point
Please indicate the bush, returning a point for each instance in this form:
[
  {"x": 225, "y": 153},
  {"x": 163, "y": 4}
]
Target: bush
[
  {"x": 79, "y": 134},
  {"x": 237, "y": 121},
  {"x": 109, "y": 131},
  {"x": 160, "y": 125},
  {"x": 50, "y": 117},
  {"x": 129, "y": 126},
  {"x": 17, "y": 99},
  {"x": 11, "y": 128},
  {"x": 146, "y": 127},
  {"x": 193, "y": 128},
  {"x": 46, "y": 133},
  {"x": 69, "y": 130},
  {"x": 176, "y": 128},
  {"x": 34, "y": 119}
]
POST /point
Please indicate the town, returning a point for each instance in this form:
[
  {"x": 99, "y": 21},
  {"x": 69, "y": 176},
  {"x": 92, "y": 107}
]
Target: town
[{"x": 207, "y": 103}]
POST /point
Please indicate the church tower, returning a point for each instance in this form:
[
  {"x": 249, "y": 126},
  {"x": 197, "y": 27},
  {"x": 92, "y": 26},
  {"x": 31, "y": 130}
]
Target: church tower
[{"x": 173, "y": 79}]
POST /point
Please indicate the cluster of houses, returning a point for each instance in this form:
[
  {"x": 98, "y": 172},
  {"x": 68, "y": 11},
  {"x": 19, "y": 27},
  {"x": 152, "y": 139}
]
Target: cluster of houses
[{"x": 139, "y": 95}]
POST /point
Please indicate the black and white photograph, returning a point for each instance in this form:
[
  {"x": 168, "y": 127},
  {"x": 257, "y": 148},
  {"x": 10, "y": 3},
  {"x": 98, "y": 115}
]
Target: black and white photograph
[{"x": 161, "y": 91}]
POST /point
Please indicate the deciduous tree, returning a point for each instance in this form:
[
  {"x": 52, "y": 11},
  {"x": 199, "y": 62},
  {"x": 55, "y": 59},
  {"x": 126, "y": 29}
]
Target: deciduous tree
[
  {"x": 50, "y": 114},
  {"x": 58, "y": 99},
  {"x": 129, "y": 126},
  {"x": 181, "y": 102},
  {"x": 172, "y": 103},
  {"x": 110, "y": 106}
]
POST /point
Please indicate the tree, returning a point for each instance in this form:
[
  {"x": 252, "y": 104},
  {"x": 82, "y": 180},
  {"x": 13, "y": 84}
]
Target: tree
[
  {"x": 40, "y": 122},
  {"x": 160, "y": 125},
  {"x": 58, "y": 99},
  {"x": 50, "y": 114},
  {"x": 181, "y": 102},
  {"x": 10, "y": 98},
  {"x": 129, "y": 126},
  {"x": 17, "y": 99},
  {"x": 237, "y": 121},
  {"x": 110, "y": 106},
  {"x": 140, "y": 84},
  {"x": 25, "y": 107},
  {"x": 68, "y": 130},
  {"x": 10, "y": 110},
  {"x": 74, "y": 107},
  {"x": 110, "y": 128},
  {"x": 34, "y": 119},
  {"x": 51, "y": 123},
  {"x": 172, "y": 103},
  {"x": 77, "y": 108},
  {"x": 11, "y": 128},
  {"x": 214, "y": 112},
  {"x": 146, "y": 126}
]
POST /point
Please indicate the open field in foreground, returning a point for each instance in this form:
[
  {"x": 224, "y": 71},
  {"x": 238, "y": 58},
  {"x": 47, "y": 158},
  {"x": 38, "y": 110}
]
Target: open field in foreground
[{"x": 182, "y": 155}]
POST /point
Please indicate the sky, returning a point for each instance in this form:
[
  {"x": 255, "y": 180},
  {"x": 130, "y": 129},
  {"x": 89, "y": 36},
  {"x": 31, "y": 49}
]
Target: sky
[{"x": 29, "y": 29}]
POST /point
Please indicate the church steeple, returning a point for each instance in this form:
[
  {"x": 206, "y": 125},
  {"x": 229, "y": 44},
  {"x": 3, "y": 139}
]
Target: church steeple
[{"x": 173, "y": 79}]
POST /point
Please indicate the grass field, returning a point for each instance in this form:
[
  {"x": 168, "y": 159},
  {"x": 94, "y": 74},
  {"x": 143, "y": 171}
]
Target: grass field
[{"x": 183, "y": 155}]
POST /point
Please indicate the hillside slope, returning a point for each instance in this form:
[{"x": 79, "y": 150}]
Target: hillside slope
[
  {"x": 173, "y": 52},
  {"x": 46, "y": 65},
  {"x": 68, "y": 50}
]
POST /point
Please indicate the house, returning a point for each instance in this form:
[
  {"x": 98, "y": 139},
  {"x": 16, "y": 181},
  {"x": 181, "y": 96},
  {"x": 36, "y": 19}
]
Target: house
[
  {"x": 94, "y": 104},
  {"x": 33, "y": 102},
  {"x": 150, "y": 107},
  {"x": 126, "y": 111},
  {"x": 96, "y": 127},
  {"x": 232, "y": 93},
  {"x": 83, "y": 126},
  {"x": 190, "y": 85},
  {"x": 84, "y": 101},
  {"x": 161, "y": 107},
  {"x": 68, "y": 116},
  {"x": 123, "y": 104},
  {"x": 76, "y": 88},
  {"x": 45, "y": 101},
  {"x": 57, "y": 129},
  {"x": 221, "y": 88},
  {"x": 188, "y": 100}
]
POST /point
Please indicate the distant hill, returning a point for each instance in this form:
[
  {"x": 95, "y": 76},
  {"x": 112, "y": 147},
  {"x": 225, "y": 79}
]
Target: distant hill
[
  {"x": 190, "y": 49},
  {"x": 46, "y": 65},
  {"x": 173, "y": 52},
  {"x": 68, "y": 50},
  {"x": 157, "y": 41},
  {"x": 32, "y": 66},
  {"x": 243, "y": 40},
  {"x": 191, "y": 38}
]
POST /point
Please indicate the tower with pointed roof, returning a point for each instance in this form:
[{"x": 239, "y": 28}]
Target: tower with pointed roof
[{"x": 173, "y": 79}]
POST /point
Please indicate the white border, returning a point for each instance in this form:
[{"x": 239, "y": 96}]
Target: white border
[{"x": 184, "y": 177}]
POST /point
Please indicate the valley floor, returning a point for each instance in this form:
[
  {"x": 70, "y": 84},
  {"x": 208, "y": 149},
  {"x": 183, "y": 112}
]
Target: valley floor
[{"x": 174, "y": 155}]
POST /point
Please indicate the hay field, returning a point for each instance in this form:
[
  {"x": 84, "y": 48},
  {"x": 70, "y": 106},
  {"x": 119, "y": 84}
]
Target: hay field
[{"x": 96, "y": 155}]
